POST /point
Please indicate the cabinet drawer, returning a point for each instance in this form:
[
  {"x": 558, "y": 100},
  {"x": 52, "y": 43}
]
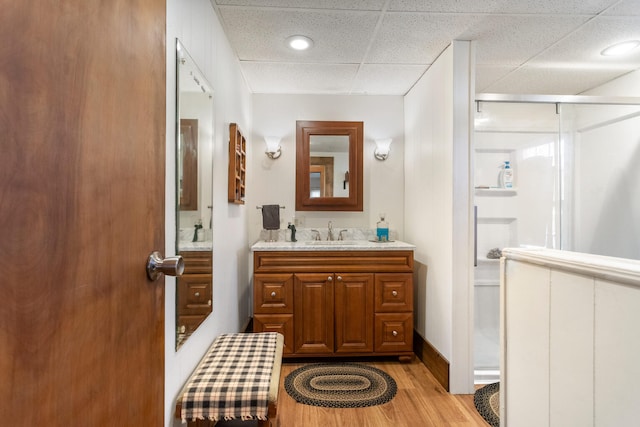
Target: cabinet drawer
[
  {"x": 197, "y": 262},
  {"x": 188, "y": 324},
  {"x": 273, "y": 293},
  {"x": 194, "y": 294},
  {"x": 394, "y": 292},
  {"x": 282, "y": 323},
  {"x": 394, "y": 332}
]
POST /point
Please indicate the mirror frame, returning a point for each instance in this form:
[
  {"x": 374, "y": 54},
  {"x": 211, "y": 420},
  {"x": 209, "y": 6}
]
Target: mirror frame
[{"x": 304, "y": 130}]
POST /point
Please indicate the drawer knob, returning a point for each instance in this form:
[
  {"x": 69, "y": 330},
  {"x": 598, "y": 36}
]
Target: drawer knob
[
  {"x": 394, "y": 333},
  {"x": 273, "y": 294},
  {"x": 183, "y": 329},
  {"x": 197, "y": 294},
  {"x": 209, "y": 303},
  {"x": 394, "y": 293}
]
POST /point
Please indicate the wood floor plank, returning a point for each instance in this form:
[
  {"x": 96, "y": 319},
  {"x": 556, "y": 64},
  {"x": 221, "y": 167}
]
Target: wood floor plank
[{"x": 420, "y": 401}]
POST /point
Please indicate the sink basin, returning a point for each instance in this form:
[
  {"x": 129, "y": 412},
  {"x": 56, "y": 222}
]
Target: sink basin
[{"x": 332, "y": 242}]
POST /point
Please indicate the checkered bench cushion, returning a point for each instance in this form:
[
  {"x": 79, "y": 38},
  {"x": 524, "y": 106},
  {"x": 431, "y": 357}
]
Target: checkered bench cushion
[{"x": 233, "y": 379}]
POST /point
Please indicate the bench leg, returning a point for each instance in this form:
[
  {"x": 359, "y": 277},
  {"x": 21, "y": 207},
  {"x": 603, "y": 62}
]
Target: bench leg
[{"x": 271, "y": 422}]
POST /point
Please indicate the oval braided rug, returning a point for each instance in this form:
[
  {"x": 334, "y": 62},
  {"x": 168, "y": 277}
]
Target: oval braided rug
[
  {"x": 487, "y": 401},
  {"x": 340, "y": 385}
]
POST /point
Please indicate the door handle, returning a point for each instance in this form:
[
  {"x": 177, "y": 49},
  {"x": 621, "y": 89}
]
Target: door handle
[{"x": 170, "y": 266}]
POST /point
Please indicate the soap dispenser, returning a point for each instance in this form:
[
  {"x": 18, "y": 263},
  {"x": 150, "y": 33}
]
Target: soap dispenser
[
  {"x": 198, "y": 232},
  {"x": 382, "y": 229}
]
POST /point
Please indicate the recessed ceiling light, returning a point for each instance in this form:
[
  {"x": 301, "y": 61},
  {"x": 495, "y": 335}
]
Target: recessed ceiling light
[
  {"x": 620, "y": 48},
  {"x": 299, "y": 42}
]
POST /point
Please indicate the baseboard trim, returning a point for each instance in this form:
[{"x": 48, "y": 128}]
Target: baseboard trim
[{"x": 432, "y": 359}]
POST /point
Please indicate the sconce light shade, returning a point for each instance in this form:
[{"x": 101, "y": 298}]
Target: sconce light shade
[
  {"x": 273, "y": 150},
  {"x": 383, "y": 146}
]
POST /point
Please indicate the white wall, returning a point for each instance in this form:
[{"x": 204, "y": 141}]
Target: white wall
[
  {"x": 273, "y": 181},
  {"x": 438, "y": 207},
  {"x": 627, "y": 85},
  {"x": 195, "y": 23}
]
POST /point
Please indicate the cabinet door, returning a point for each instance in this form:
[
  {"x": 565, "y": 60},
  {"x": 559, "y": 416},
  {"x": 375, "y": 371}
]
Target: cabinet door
[
  {"x": 273, "y": 293},
  {"x": 281, "y": 323},
  {"x": 313, "y": 313},
  {"x": 354, "y": 312},
  {"x": 394, "y": 292}
]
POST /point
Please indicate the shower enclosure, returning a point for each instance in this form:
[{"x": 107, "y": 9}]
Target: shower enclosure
[{"x": 576, "y": 187}]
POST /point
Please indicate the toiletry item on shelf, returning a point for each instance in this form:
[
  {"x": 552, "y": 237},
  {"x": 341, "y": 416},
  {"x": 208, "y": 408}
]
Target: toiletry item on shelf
[
  {"x": 382, "y": 229},
  {"x": 507, "y": 175},
  {"x": 494, "y": 253}
]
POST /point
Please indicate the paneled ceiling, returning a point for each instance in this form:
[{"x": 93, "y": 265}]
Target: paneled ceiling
[{"x": 382, "y": 47}]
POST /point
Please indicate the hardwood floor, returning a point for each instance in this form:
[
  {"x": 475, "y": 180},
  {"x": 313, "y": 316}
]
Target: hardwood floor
[{"x": 420, "y": 401}]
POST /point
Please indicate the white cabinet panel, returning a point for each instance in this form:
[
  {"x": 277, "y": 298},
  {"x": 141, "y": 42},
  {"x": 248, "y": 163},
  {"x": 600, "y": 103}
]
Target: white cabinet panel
[
  {"x": 527, "y": 349},
  {"x": 617, "y": 355},
  {"x": 571, "y": 350}
]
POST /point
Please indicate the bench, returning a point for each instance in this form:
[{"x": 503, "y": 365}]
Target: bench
[{"x": 238, "y": 378}]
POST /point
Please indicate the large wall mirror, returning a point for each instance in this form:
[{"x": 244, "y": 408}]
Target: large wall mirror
[
  {"x": 329, "y": 166},
  {"x": 194, "y": 198}
]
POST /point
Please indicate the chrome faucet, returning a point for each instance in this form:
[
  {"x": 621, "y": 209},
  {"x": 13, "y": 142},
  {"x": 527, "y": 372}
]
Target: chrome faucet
[
  {"x": 340, "y": 236},
  {"x": 316, "y": 235},
  {"x": 330, "y": 232}
]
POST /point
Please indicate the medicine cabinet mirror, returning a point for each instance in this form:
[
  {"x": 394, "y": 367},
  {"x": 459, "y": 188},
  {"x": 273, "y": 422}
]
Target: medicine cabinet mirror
[
  {"x": 194, "y": 194},
  {"x": 329, "y": 166}
]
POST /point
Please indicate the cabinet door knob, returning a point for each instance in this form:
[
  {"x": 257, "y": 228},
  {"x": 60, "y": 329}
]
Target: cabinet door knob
[
  {"x": 273, "y": 294},
  {"x": 209, "y": 303},
  {"x": 339, "y": 277},
  {"x": 394, "y": 293},
  {"x": 330, "y": 278},
  {"x": 197, "y": 294},
  {"x": 394, "y": 333}
]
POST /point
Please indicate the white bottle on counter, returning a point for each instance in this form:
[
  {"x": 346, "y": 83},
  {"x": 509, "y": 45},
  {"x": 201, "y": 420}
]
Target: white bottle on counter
[{"x": 507, "y": 176}]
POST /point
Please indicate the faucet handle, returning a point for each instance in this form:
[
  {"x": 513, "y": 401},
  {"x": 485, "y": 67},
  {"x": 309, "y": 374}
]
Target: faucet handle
[
  {"x": 317, "y": 234},
  {"x": 340, "y": 236}
]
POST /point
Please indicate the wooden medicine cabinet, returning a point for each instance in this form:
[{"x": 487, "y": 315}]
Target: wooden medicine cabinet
[{"x": 329, "y": 166}]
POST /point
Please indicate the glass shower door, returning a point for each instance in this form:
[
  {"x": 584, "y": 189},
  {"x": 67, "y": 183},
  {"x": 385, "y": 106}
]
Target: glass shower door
[
  {"x": 527, "y": 136},
  {"x": 601, "y": 179}
]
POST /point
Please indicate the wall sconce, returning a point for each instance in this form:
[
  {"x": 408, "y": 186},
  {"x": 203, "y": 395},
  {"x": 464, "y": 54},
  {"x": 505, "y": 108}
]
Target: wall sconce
[
  {"x": 273, "y": 150},
  {"x": 383, "y": 146}
]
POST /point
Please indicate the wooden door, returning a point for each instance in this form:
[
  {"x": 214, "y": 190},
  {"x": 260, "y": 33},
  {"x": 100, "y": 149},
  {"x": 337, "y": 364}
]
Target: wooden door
[
  {"x": 354, "y": 312},
  {"x": 313, "y": 313},
  {"x": 82, "y": 184}
]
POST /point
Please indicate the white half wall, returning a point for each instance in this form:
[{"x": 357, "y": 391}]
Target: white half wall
[
  {"x": 438, "y": 210},
  {"x": 196, "y": 25},
  {"x": 570, "y": 341}
]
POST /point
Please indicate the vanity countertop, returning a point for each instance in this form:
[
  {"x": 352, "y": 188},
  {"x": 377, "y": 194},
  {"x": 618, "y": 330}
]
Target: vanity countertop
[
  {"x": 195, "y": 246},
  {"x": 335, "y": 245}
]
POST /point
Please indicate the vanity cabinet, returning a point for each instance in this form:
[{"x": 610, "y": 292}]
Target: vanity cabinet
[
  {"x": 336, "y": 303},
  {"x": 194, "y": 291}
]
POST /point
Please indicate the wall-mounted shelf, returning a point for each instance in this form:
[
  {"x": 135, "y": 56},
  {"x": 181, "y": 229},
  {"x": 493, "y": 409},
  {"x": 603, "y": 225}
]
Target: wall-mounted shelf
[
  {"x": 495, "y": 220},
  {"x": 496, "y": 192},
  {"x": 237, "y": 164}
]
